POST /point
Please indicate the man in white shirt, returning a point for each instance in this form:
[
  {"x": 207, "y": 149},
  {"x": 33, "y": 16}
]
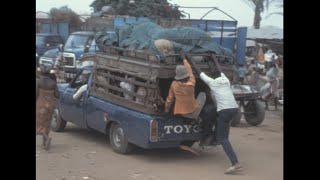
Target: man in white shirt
[
  {"x": 227, "y": 108},
  {"x": 270, "y": 58}
]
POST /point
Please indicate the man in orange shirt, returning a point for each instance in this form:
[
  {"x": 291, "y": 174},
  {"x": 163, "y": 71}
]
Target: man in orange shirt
[{"x": 182, "y": 93}]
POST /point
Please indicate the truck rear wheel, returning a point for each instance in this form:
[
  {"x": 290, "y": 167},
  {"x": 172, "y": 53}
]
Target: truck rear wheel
[
  {"x": 57, "y": 123},
  {"x": 118, "y": 139},
  {"x": 254, "y": 112}
]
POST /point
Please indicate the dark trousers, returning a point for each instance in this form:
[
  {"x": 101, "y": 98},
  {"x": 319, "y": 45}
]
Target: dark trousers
[
  {"x": 223, "y": 126},
  {"x": 209, "y": 118}
]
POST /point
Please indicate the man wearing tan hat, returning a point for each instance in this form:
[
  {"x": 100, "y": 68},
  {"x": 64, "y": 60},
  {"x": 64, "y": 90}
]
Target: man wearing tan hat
[{"x": 182, "y": 93}]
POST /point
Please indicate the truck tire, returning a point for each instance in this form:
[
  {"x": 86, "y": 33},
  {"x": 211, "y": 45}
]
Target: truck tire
[
  {"x": 237, "y": 118},
  {"x": 118, "y": 139},
  {"x": 254, "y": 112},
  {"x": 57, "y": 123}
]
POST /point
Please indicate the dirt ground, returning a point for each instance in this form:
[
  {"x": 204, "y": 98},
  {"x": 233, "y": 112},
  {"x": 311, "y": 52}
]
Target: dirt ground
[{"x": 78, "y": 154}]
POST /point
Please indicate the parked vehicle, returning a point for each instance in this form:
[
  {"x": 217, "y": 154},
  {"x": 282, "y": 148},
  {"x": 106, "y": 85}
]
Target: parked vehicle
[
  {"x": 48, "y": 58},
  {"x": 77, "y": 45},
  {"x": 45, "y": 42},
  {"x": 248, "y": 100}
]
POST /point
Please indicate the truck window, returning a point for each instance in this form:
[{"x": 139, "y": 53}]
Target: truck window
[
  {"x": 77, "y": 41},
  {"x": 40, "y": 40},
  {"x": 54, "y": 40}
]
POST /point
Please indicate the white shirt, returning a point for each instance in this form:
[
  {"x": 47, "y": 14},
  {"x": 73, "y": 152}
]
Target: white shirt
[
  {"x": 80, "y": 91},
  {"x": 220, "y": 88},
  {"x": 268, "y": 56}
]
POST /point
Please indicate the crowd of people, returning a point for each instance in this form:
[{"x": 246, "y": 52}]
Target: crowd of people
[{"x": 264, "y": 73}]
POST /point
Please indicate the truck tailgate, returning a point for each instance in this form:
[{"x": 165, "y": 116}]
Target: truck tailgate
[{"x": 177, "y": 129}]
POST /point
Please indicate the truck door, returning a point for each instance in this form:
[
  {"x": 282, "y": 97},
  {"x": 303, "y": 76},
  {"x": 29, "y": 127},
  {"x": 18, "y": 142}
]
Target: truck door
[{"x": 72, "y": 109}]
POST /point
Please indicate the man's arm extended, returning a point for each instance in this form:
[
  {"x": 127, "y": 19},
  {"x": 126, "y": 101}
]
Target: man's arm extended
[
  {"x": 203, "y": 76},
  {"x": 198, "y": 70}
]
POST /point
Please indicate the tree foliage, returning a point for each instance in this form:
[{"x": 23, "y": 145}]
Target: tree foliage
[
  {"x": 258, "y": 6},
  {"x": 153, "y": 8},
  {"x": 65, "y": 14}
]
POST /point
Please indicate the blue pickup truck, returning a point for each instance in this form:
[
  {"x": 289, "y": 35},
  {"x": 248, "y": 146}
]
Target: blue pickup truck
[
  {"x": 126, "y": 126},
  {"x": 136, "y": 116}
]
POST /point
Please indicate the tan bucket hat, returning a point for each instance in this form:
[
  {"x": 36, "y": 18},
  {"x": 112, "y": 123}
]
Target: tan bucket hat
[{"x": 181, "y": 72}]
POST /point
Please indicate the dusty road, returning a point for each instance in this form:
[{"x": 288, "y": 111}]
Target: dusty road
[{"x": 78, "y": 154}]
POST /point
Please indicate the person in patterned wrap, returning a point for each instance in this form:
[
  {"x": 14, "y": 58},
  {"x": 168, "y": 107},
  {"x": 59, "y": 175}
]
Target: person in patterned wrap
[{"x": 46, "y": 94}]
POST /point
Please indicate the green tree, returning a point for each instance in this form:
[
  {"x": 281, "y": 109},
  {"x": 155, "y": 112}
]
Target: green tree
[
  {"x": 65, "y": 14},
  {"x": 154, "y": 8},
  {"x": 258, "y": 6},
  {"x": 276, "y": 13}
]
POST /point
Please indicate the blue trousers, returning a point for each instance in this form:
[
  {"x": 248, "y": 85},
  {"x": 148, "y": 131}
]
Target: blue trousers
[{"x": 223, "y": 126}]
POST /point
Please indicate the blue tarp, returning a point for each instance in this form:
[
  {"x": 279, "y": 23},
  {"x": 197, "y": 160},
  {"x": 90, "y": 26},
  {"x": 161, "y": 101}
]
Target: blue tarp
[{"x": 141, "y": 35}]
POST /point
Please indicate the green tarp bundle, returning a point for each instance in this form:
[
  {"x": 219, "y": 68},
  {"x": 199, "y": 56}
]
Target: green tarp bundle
[{"x": 141, "y": 35}]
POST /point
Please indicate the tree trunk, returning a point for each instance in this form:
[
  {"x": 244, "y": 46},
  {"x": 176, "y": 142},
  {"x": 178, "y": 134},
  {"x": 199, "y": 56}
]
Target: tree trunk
[{"x": 257, "y": 16}]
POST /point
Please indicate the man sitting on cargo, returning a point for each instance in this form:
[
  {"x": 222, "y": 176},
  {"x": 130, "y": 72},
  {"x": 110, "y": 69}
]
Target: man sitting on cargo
[{"x": 182, "y": 93}]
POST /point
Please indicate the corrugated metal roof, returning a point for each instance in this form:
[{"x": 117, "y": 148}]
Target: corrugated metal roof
[
  {"x": 250, "y": 43},
  {"x": 265, "y": 33},
  {"x": 41, "y": 15}
]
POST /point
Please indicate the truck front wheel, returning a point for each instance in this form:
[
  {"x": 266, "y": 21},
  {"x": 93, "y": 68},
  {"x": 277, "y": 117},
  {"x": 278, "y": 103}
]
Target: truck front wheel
[
  {"x": 118, "y": 139},
  {"x": 57, "y": 123}
]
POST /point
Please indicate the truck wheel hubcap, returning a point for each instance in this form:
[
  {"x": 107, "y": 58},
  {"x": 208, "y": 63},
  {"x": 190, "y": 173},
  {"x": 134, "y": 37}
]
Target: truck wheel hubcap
[{"x": 117, "y": 136}]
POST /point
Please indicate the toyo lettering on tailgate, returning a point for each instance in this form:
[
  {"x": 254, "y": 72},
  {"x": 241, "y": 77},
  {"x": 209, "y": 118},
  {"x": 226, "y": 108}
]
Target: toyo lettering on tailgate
[{"x": 177, "y": 128}]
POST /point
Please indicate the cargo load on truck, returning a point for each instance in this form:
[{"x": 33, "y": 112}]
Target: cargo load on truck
[
  {"x": 116, "y": 70},
  {"x": 142, "y": 36},
  {"x": 133, "y": 63},
  {"x": 139, "y": 61}
]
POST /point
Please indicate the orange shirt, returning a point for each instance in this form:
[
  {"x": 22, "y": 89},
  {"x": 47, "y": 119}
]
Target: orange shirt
[{"x": 182, "y": 93}]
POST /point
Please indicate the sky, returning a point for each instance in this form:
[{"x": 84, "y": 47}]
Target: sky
[{"x": 238, "y": 9}]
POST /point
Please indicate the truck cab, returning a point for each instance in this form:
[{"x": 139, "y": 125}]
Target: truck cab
[{"x": 78, "y": 44}]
